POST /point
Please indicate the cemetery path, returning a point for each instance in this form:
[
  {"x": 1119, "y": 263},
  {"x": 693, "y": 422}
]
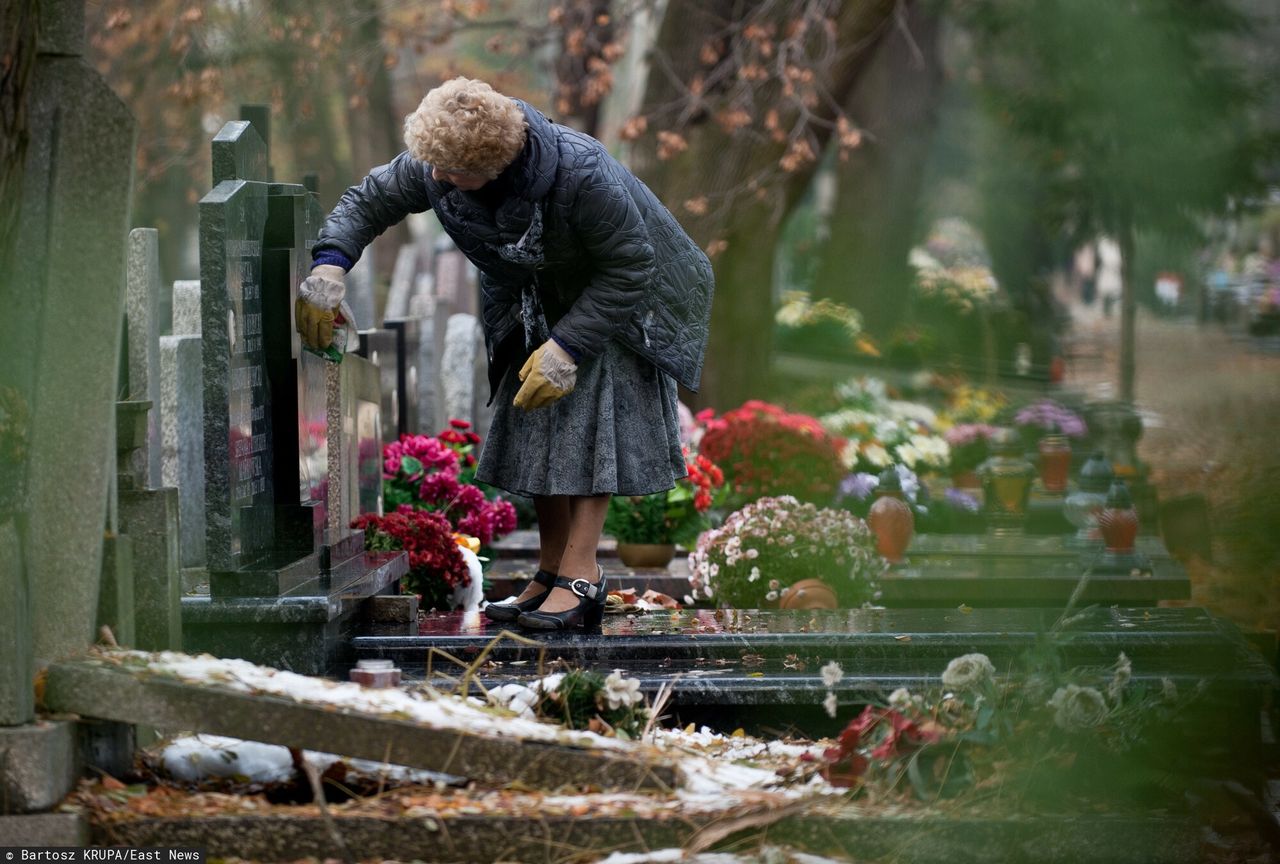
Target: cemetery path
[{"x": 1212, "y": 412}]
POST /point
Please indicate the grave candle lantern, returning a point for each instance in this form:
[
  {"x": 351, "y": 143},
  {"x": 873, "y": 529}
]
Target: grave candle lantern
[
  {"x": 1082, "y": 505},
  {"x": 891, "y": 518},
  {"x": 1006, "y": 483},
  {"x": 1118, "y": 525}
]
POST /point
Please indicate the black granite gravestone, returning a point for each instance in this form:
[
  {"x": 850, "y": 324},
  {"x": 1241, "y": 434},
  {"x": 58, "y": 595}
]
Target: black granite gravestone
[{"x": 280, "y": 428}]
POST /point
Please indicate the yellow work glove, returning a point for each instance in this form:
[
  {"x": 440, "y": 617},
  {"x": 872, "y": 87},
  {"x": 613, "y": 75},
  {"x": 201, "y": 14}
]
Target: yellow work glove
[
  {"x": 319, "y": 296},
  {"x": 548, "y": 375}
]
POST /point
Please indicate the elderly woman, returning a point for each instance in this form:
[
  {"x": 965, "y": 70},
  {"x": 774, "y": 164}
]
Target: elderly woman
[{"x": 595, "y": 303}]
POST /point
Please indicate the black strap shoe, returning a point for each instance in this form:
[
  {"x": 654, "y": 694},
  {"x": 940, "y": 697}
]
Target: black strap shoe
[
  {"x": 510, "y": 611},
  {"x": 588, "y": 613}
]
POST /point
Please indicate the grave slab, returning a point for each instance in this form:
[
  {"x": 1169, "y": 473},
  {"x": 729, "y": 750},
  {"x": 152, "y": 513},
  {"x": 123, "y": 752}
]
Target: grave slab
[
  {"x": 935, "y": 838},
  {"x": 39, "y": 764},
  {"x": 138, "y": 695},
  {"x": 150, "y": 518},
  {"x": 308, "y": 631},
  {"x": 45, "y": 830}
]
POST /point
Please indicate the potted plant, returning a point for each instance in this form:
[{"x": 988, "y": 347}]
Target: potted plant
[
  {"x": 1052, "y": 426},
  {"x": 766, "y": 450},
  {"x": 969, "y": 449},
  {"x": 775, "y": 543},
  {"x": 439, "y": 570},
  {"x": 648, "y": 527}
]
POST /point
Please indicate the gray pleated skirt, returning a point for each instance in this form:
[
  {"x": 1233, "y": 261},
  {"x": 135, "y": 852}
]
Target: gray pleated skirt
[{"x": 618, "y": 432}]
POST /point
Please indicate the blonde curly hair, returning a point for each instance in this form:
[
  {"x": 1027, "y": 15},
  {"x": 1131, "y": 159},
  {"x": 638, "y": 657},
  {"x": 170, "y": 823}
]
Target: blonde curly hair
[{"x": 465, "y": 125}]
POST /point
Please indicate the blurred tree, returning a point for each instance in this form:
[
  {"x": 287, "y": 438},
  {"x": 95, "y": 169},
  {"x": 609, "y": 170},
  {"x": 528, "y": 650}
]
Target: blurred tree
[
  {"x": 740, "y": 101},
  {"x": 877, "y": 204},
  {"x": 1126, "y": 116},
  {"x": 18, "y": 23}
]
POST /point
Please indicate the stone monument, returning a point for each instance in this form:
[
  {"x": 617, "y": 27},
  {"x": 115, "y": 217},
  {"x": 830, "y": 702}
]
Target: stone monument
[{"x": 288, "y": 436}]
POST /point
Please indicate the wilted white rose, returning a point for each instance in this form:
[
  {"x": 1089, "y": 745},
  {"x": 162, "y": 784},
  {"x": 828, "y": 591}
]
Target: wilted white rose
[
  {"x": 1123, "y": 672},
  {"x": 831, "y": 674},
  {"x": 900, "y": 698},
  {"x": 967, "y": 672},
  {"x": 830, "y": 704},
  {"x": 621, "y": 692},
  {"x": 1076, "y": 707}
]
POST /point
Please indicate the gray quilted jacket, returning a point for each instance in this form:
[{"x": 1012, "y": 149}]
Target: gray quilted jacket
[{"x": 579, "y": 242}]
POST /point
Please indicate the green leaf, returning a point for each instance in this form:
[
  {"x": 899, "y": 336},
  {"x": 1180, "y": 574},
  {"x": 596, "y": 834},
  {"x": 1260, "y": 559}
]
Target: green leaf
[{"x": 410, "y": 467}]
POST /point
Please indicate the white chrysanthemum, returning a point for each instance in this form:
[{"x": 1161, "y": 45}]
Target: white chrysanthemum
[
  {"x": 1076, "y": 707},
  {"x": 831, "y": 674},
  {"x": 968, "y": 672},
  {"x": 621, "y": 692},
  {"x": 900, "y": 698},
  {"x": 830, "y": 704},
  {"x": 909, "y": 455},
  {"x": 877, "y": 455}
]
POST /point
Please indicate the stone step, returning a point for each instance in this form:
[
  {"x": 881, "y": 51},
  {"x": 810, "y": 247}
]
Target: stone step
[{"x": 774, "y": 656}]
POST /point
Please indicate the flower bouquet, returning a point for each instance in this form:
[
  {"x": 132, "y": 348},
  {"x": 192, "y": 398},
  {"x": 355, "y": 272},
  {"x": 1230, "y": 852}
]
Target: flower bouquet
[
  {"x": 764, "y": 450},
  {"x": 678, "y": 515},
  {"x": 1047, "y": 417},
  {"x": 432, "y": 473},
  {"x": 969, "y": 443},
  {"x": 1050, "y": 425},
  {"x": 438, "y": 568},
  {"x": 822, "y": 327},
  {"x": 776, "y": 542}
]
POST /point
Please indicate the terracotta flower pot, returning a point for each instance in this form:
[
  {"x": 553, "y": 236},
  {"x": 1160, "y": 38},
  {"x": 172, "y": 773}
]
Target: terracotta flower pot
[
  {"x": 809, "y": 594},
  {"x": 646, "y": 554}
]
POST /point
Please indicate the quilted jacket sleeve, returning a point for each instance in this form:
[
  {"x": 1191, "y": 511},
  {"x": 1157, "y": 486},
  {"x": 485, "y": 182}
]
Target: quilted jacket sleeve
[
  {"x": 613, "y": 232},
  {"x": 388, "y": 194}
]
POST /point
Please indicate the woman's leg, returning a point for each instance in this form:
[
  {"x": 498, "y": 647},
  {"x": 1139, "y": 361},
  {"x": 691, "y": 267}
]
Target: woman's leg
[
  {"x": 553, "y": 535},
  {"x": 586, "y": 521}
]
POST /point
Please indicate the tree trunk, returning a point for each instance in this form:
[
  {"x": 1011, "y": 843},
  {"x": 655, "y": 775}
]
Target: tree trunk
[
  {"x": 375, "y": 124},
  {"x": 1128, "y": 314},
  {"x": 18, "y": 24},
  {"x": 740, "y": 224},
  {"x": 874, "y": 222}
]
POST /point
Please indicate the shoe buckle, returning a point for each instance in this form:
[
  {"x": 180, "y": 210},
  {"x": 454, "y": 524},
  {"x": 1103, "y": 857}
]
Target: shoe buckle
[{"x": 583, "y": 588}]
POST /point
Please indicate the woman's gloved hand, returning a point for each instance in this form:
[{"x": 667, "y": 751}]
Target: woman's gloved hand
[
  {"x": 319, "y": 296},
  {"x": 548, "y": 375}
]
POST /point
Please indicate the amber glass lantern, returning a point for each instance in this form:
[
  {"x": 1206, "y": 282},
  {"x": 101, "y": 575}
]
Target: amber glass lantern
[{"x": 1006, "y": 483}]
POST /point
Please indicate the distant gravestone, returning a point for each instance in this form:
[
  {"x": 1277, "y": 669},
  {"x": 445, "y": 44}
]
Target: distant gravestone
[
  {"x": 360, "y": 290},
  {"x": 142, "y": 312},
  {"x": 409, "y": 360},
  {"x": 186, "y": 307},
  {"x": 182, "y": 436},
  {"x": 422, "y": 309},
  {"x": 382, "y": 348},
  {"x": 462, "y": 356},
  {"x": 402, "y": 277}
]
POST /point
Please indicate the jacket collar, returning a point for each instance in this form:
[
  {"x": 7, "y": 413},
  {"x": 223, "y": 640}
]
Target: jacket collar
[{"x": 541, "y": 157}]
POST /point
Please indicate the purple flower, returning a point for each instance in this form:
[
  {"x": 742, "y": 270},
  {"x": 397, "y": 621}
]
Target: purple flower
[
  {"x": 961, "y": 500},
  {"x": 859, "y": 486},
  {"x": 965, "y": 434},
  {"x": 1052, "y": 417}
]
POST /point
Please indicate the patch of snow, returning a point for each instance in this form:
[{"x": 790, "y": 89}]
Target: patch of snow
[
  {"x": 439, "y": 711},
  {"x": 195, "y": 758}
]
